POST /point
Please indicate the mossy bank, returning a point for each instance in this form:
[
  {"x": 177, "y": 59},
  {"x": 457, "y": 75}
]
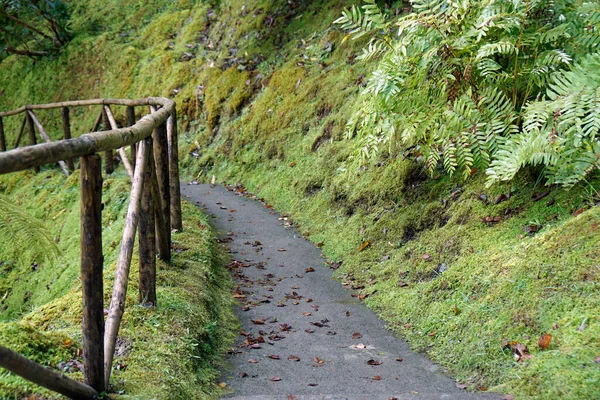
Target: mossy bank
[{"x": 265, "y": 91}]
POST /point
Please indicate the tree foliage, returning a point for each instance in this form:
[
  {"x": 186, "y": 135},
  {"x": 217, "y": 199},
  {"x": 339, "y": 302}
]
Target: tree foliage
[
  {"x": 491, "y": 85},
  {"x": 32, "y": 27}
]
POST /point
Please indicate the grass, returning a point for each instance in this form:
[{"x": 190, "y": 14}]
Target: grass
[
  {"x": 264, "y": 98},
  {"x": 169, "y": 352}
]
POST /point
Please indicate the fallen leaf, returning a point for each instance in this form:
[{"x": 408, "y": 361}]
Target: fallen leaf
[
  {"x": 307, "y": 314},
  {"x": 374, "y": 362},
  {"x": 243, "y": 374},
  {"x": 292, "y": 163},
  {"x": 222, "y": 385},
  {"x": 68, "y": 342},
  {"x": 282, "y": 249},
  {"x": 309, "y": 300},
  {"x": 508, "y": 397},
  {"x": 293, "y": 358},
  {"x": 376, "y": 378},
  {"x": 462, "y": 385},
  {"x": 309, "y": 330},
  {"x": 274, "y": 357},
  {"x": 258, "y": 321},
  {"x": 292, "y": 397},
  {"x": 347, "y": 313},
  {"x": 309, "y": 269},
  {"x": 597, "y": 360},
  {"x": 318, "y": 360},
  {"x": 407, "y": 326},
  {"x": 425, "y": 256},
  {"x": 432, "y": 333},
  {"x": 544, "y": 341},
  {"x": 356, "y": 335},
  {"x": 360, "y": 346},
  {"x": 399, "y": 359},
  {"x": 364, "y": 246},
  {"x": 275, "y": 379},
  {"x": 252, "y": 361},
  {"x": 313, "y": 384}
]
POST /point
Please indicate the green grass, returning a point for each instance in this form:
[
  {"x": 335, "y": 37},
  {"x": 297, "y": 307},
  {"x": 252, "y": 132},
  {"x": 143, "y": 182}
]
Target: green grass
[
  {"x": 264, "y": 101},
  {"x": 164, "y": 353}
]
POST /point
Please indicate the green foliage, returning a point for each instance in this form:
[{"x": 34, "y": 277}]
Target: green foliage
[
  {"x": 23, "y": 237},
  {"x": 469, "y": 85},
  {"x": 33, "y": 27}
]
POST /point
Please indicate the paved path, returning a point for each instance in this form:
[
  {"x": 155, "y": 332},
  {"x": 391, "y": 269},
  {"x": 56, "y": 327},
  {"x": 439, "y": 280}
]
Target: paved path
[{"x": 304, "y": 336}]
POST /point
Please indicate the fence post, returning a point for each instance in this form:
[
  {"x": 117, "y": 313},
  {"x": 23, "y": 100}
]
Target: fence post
[
  {"x": 161, "y": 162},
  {"x": 174, "y": 171},
  {"x": 2, "y": 138},
  {"x": 66, "y": 123},
  {"x": 91, "y": 271},
  {"x": 31, "y": 133},
  {"x": 147, "y": 248},
  {"x": 109, "y": 163},
  {"x": 130, "y": 114}
]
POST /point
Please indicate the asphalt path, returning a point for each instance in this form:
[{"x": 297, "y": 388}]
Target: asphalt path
[{"x": 303, "y": 335}]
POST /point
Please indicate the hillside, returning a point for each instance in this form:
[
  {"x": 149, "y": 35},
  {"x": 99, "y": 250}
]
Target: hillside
[{"x": 265, "y": 90}]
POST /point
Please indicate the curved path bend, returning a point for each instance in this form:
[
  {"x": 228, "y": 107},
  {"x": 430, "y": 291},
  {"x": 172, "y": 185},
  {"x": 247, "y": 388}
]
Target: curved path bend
[{"x": 303, "y": 335}]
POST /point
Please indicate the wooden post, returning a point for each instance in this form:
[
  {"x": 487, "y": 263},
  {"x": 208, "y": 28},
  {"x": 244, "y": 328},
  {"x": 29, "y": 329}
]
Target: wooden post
[
  {"x": 66, "y": 123},
  {"x": 147, "y": 247},
  {"x": 117, "y": 303},
  {"x": 130, "y": 113},
  {"x": 45, "y": 377},
  {"x": 175, "y": 190},
  {"x": 21, "y": 130},
  {"x": 31, "y": 133},
  {"x": 161, "y": 162},
  {"x": 2, "y": 137},
  {"x": 113, "y": 124},
  {"x": 45, "y": 136},
  {"x": 91, "y": 271},
  {"x": 109, "y": 165}
]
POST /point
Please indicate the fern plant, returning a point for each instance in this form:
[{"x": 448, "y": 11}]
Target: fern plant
[
  {"x": 461, "y": 79},
  {"x": 22, "y": 237}
]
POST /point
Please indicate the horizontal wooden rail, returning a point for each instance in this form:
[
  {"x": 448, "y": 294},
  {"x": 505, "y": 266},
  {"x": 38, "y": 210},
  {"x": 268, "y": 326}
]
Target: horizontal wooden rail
[
  {"x": 34, "y": 156},
  {"x": 45, "y": 377}
]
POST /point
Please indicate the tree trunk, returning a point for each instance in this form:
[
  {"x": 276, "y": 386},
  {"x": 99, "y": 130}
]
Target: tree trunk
[
  {"x": 109, "y": 162},
  {"x": 161, "y": 161},
  {"x": 21, "y": 130},
  {"x": 31, "y": 133},
  {"x": 117, "y": 303},
  {"x": 130, "y": 113},
  {"x": 175, "y": 191},
  {"x": 92, "y": 262},
  {"x": 147, "y": 248},
  {"x": 45, "y": 377},
  {"x": 66, "y": 123},
  {"x": 2, "y": 137}
]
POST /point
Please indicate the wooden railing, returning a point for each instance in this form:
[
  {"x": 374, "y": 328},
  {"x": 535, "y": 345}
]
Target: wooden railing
[{"x": 155, "y": 206}]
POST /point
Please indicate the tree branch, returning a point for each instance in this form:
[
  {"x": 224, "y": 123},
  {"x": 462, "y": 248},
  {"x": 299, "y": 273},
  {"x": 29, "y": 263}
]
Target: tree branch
[{"x": 31, "y": 28}]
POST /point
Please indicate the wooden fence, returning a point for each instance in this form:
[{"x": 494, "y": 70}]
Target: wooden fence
[{"x": 154, "y": 208}]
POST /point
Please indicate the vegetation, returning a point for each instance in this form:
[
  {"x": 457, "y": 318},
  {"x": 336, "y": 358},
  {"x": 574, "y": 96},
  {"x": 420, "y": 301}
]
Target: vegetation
[
  {"x": 492, "y": 84},
  {"x": 266, "y": 90},
  {"x": 33, "y": 28}
]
